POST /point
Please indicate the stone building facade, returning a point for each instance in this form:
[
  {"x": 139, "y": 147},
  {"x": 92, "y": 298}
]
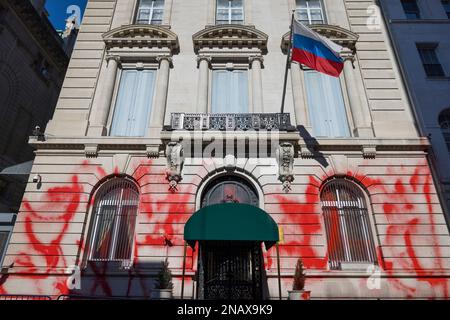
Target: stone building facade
[
  {"x": 420, "y": 36},
  {"x": 32, "y": 68},
  {"x": 169, "y": 115}
]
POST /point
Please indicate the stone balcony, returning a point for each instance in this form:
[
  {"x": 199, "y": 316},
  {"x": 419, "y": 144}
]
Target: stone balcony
[{"x": 231, "y": 121}]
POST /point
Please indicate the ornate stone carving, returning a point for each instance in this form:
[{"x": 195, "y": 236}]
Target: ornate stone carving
[
  {"x": 152, "y": 151},
  {"x": 167, "y": 58},
  {"x": 175, "y": 162},
  {"x": 91, "y": 150},
  {"x": 285, "y": 159},
  {"x": 369, "y": 152},
  {"x": 306, "y": 152},
  {"x": 203, "y": 57}
]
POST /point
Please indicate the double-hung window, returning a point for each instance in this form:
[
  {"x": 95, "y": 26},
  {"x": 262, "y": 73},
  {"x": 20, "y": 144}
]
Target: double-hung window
[
  {"x": 326, "y": 105},
  {"x": 430, "y": 61},
  {"x": 133, "y": 103},
  {"x": 411, "y": 9},
  {"x": 230, "y": 12},
  {"x": 310, "y": 11},
  {"x": 150, "y": 12},
  {"x": 230, "y": 91}
]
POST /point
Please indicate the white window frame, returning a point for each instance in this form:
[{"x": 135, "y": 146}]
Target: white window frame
[
  {"x": 230, "y": 67},
  {"x": 230, "y": 15},
  {"x": 308, "y": 11},
  {"x": 152, "y": 9},
  {"x": 130, "y": 66},
  {"x": 114, "y": 236},
  {"x": 344, "y": 91}
]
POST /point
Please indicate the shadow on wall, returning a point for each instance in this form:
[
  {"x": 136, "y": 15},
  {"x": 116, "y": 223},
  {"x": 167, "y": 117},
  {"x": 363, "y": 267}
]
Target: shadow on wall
[
  {"x": 312, "y": 145},
  {"x": 111, "y": 279}
]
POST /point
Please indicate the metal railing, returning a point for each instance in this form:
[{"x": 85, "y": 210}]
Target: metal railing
[
  {"x": 231, "y": 121},
  {"x": 23, "y": 297}
]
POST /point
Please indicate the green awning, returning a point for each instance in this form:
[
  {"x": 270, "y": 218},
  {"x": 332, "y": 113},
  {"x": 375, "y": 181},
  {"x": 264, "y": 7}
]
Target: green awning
[{"x": 231, "y": 222}]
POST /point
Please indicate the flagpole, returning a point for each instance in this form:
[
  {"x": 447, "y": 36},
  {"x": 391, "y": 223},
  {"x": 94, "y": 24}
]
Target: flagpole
[{"x": 288, "y": 58}]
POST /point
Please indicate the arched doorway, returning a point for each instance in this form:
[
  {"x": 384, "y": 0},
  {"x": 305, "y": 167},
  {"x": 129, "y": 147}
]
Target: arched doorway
[{"x": 230, "y": 270}]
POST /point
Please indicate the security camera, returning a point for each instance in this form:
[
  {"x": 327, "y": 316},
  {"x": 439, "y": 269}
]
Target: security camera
[{"x": 37, "y": 178}]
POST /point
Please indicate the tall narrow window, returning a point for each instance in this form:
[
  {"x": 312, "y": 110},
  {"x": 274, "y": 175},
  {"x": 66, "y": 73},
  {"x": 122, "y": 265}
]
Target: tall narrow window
[
  {"x": 430, "y": 61},
  {"x": 349, "y": 236},
  {"x": 411, "y": 9},
  {"x": 326, "y": 105},
  {"x": 4, "y": 236},
  {"x": 114, "y": 213},
  {"x": 444, "y": 123},
  {"x": 230, "y": 91},
  {"x": 230, "y": 12},
  {"x": 310, "y": 11},
  {"x": 150, "y": 12},
  {"x": 134, "y": 103},
  {"x": 446, "y": 5}
]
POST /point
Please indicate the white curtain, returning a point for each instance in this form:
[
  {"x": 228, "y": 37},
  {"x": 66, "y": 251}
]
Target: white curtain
[
  {"x": 326, "y": 105},
  {"x": 230, "y": 91},
  {"x": 134, "y": 103}
]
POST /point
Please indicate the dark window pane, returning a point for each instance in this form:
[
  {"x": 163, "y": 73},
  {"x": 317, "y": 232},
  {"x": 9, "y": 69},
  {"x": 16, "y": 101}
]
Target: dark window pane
[
  {"x": 411, "y": 9},
  {"x": 3, "y": 241}
]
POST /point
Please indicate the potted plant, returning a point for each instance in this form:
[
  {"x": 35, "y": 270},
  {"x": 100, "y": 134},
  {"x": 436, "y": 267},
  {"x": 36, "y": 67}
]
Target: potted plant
[
  {"x": 298, "y": 289},
  {"x": 164, "y": 285}
]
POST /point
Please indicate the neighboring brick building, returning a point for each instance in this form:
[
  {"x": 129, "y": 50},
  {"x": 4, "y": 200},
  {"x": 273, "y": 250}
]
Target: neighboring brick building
[
  {"x": 33, "y": 64},
  {"x": 154, "y": 86}
]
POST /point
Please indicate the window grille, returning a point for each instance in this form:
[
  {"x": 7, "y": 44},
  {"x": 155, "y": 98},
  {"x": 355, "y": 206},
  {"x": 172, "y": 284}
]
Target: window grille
[
  {"x": 115, "y": 210},
  {"x": 349, "y": 235}
]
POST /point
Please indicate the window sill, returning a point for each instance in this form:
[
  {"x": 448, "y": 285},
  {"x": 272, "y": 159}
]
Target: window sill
[{"x": 444, "y": 78}]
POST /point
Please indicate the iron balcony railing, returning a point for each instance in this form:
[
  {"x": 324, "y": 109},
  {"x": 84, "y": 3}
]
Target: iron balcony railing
[
  {"x": 231, "y": 121},
  {"x": 23, "y": 297}
]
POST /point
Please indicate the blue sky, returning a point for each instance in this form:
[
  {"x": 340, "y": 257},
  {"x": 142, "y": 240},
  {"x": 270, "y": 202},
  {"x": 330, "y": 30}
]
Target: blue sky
[{"x": 57, "y": 10}]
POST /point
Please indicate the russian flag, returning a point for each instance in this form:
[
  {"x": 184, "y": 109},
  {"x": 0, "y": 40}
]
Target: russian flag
[{"x": 316, "y": 51}]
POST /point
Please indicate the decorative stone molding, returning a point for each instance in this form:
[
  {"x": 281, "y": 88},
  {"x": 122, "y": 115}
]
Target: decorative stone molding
[
  {"x": 256, "y": 58},
  {"x": 369, "y": 152},
  {"x": 167, "y": 58},
  {"x": 112, "y": 57},
  {"x": 91, "y": 150},
  {"x": 230, "y": 37},
  {"x": 285, "y": 159},
  {"x": 140, "y": 36},
  {"x": 305, "y": 152},
  {"x": 203, "y": 57},
  {"x": 152, "y": 151},
  {"x": 175, "y": 161},
  {"x": 337, "y": 34}
]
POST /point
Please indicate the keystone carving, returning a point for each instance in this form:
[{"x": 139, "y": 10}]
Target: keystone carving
[
  {"x": 175, "y": 162},
  {"x": 285, "y": 159}
]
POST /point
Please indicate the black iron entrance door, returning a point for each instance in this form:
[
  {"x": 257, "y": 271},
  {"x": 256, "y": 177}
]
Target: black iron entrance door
[{"x": 232, "y": 270}]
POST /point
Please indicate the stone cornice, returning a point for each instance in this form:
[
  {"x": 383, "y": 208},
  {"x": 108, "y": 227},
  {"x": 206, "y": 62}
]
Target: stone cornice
[
  {"x": 230, "y": 36},
  {"x": 366, "y": 148},
  {"x": 337, "y": 34},
  {"x": 140, "y": 36}
]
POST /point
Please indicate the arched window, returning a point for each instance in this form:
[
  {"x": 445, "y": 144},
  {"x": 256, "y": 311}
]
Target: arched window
[
  {"x": 114, "y": 219},
  {"x": 230, "y": 189},
  {"x": 444, "y": 123},
  {"x": 349, "y": 235}
]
